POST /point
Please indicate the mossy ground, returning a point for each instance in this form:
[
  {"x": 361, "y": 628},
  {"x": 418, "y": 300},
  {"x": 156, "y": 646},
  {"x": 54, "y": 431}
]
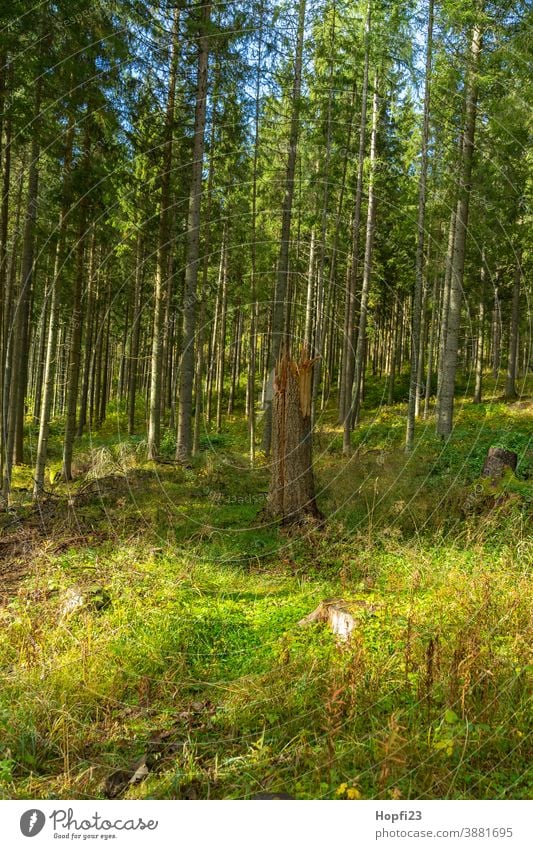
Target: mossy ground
[{"x": 196, "y": 639}]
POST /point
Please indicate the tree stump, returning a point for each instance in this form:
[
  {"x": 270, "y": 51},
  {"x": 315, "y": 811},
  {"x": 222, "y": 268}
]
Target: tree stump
[
  {"x": 498, "y": 460},
  {"x": 291, "y": 495},
  {"x": 339, "y": 615}
]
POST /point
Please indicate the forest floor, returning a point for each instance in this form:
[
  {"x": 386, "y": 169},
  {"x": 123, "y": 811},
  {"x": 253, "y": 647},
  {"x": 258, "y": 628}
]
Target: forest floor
[{"x": 149, "y": 621}]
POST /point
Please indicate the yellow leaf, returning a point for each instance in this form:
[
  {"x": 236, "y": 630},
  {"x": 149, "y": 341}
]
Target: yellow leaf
[{"x": 353, "y": 793}]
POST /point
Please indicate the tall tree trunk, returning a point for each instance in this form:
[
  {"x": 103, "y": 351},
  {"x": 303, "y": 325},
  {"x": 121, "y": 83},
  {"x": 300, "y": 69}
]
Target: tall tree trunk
[
  {"x": 104, "y": 388},
  {"x": 52, "y": 351},
  {"x": 321, "y": 312},
  {"x": 161, "y": 283},
  {"x": 38, "y": 352},
  {"x": 122, "y": 352},
  {"x": 184, "y": 441},
  {"x": 447, "y": 392},
  {"x": 310, "y": 299},
  {"x": 422, "y": 347},
  {"x": 200, "y": 363},
  {"x": 496, "y": 334},
  {"x": 348, "y": 360},
  {"x": 97, "y": 356},
  {"x": 22, "y": 310},
  {"x": 397, "y": 318},
  {"x": 414, "y": 390},
  {"x": 16, "y": 369},
  {"x": 445, "y": 304},
  {"x": 5, "y": 299},
  {"x": 435, "y": 304},
  {"x": 74, "y": 351},
  {"x": 236, "y": 356},
  {"x": 48, "y": 388},
  {"x": 253, "y": 248},
  {"x": 282, "y": 273},
  {"x": 8, "y": 350},
  {"x": 135, "y": 334},
  {"x": 87, "y": 354},
  {"x": 510, "y": 382},
  {"x": 478, "y": 388},
  {"x": 212, "y": 362},
  {"x": 355, "y": 393},
  {"x": 221, "y": 351}
]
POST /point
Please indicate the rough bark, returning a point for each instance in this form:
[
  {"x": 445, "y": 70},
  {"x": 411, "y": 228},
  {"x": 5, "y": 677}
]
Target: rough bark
[
  {"x": 161, "y": 283},
  {"x": 496, "y": 333},
  {"x": 347, "y": 377},
  {"x": 133, "y": 372},
  {"x": 353, "y": 409},
  {"x": 310, "y": 299},
  {"x": 319, "y": 346},
  {"x": 53, "y": 326},
  {"x": 253, "y": 249},
  {"x": 478, "y": 388},
  {"x": 5, "y": 305},
  {"x": 510, "y": 382},
  {"x": 498, "y": 460},
  {"x": 74, "y": 353},
  {"x": 435, "y": 304},
  {"x": 447, "y": 390},
  {"x": 414, "y": 384},
  {"x": 235, "y": 359},
  {"x": 282, "y": 274},
  {"x": 184, "y": 442},
  {"x": 445, "y": 301},
  {"x": 221, "y": 351},
  {"x": 291, "y": 495},
  {"x": 200, "y": 357},
  {"x": 22, "y": 309}
]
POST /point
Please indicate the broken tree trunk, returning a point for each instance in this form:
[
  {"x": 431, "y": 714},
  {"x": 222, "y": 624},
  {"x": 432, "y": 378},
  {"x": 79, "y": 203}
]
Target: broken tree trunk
[
  {"x": 498, "y": 460},
  {"x": 291, "y": 495}
]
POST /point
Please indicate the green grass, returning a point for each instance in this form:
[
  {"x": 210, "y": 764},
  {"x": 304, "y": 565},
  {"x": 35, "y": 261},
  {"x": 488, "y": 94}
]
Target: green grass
[{"x": 190, "y": 628}]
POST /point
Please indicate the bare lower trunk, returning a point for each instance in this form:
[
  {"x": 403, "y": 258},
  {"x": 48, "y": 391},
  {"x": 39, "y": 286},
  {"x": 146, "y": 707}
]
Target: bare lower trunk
[
  {"x": 22, "y": 310},
  {"x": 235, "y": 359},
  {"x": 291, "y": 496},
  {"x": 90, "y": 332},
  {"x": 496, "y": 334},
  {"x": 221, "y": 358},
  {"x": 478, "y": 389},
  {"x": 431, "y": 344},
  {"x": 135, "y": 335},
  {"x": 48, "y": 388},
  {"x": 510, "y": 383},
  {"x": 74, "y": 356}
]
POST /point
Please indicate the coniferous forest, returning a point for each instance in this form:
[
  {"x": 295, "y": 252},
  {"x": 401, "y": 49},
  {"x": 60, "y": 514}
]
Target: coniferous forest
[{"x": 266, "y": 399}]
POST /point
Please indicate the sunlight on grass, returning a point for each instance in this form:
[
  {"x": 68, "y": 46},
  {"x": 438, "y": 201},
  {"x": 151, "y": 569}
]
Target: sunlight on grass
[{"x": 188, "y": 627}]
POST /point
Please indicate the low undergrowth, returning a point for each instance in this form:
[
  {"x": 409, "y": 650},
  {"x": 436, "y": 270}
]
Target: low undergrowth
[{"x": 174, "y": 635}]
